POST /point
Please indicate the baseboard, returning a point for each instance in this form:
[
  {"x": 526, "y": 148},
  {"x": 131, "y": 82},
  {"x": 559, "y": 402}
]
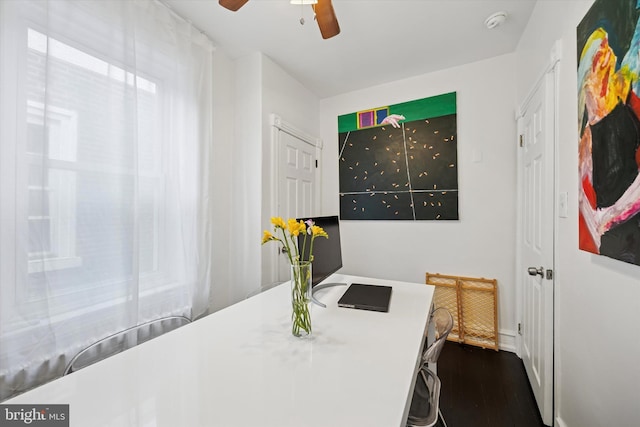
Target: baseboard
[
  {"x": 559, "y": 422},
  {"x": 507, "y": 340}
]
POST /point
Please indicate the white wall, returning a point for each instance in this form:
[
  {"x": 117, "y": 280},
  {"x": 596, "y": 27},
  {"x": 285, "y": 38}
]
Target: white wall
[
  {"x": 245, "y": 151},
  {"x": 286, "y": 97},
  {"x": 597, "y": 299},
  {"x": 481, "y": 243},
  {"x": 248, "y": 91},
  {"x": 223, "y": 133}
]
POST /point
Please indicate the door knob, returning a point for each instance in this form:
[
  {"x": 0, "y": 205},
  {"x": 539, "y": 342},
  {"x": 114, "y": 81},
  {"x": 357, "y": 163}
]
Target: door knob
[{"x": 535, "y": 271}]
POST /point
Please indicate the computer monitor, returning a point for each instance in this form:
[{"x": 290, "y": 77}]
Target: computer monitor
[{"x": 327, "y": 253}]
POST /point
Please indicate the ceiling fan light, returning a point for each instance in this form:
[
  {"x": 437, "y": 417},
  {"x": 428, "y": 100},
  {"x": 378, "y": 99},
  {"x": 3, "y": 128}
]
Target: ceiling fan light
[{"x": 303, "y": 1}]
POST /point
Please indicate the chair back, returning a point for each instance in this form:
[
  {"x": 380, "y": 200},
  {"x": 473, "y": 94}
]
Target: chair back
[
  {"x": 123, "y": 340},
  {"x": 443, "y": 323},
  {"x": 425, "y": 402}
]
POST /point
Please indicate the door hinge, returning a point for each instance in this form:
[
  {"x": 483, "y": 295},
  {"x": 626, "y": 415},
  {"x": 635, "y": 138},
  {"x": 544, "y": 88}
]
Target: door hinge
[
  {"x": 521, "y": 140},
  {"x": 519, "y": 328},
  {"x": 549, "y": 274}
]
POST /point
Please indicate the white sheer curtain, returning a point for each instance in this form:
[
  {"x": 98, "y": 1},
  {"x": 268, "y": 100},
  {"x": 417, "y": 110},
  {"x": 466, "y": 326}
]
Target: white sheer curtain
[{"x": 105, "y": 126}]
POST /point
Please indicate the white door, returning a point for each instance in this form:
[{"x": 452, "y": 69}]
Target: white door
[
  {"x": 536, "y": 243},
  {"x": 296, "y": 185}
]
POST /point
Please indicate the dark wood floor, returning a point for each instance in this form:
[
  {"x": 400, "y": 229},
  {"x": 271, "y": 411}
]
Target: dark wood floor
[{"x": 484, "y": 388}]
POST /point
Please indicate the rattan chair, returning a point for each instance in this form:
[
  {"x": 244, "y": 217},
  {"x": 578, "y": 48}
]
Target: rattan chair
[
  {"x": 425, "y": 403},
  {"x": 123, "y": 340}
]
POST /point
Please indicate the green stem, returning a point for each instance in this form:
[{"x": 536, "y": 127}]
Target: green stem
[
  {"x": 300, "y": 316},
  {"x": 304, "y": 246},
  {"x": 287, "y": 246}
]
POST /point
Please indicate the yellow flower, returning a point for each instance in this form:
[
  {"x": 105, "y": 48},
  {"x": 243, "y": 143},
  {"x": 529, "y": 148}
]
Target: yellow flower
[
  {"x": 291, "y": 230},
  {"x": 267, "y": 237},
  {"x": 295, "y": 228},
  {"x": 278, "y": 222},
  {"x": 317, "y": 231}
]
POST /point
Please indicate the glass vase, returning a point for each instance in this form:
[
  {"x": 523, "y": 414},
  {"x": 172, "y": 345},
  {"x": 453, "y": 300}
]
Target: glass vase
[{"x": 301, "y": 299}]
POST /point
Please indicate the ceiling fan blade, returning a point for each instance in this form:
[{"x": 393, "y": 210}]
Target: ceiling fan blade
[
  {"x": 233, "y": 5},
  {"x": 326, "y": 17}
]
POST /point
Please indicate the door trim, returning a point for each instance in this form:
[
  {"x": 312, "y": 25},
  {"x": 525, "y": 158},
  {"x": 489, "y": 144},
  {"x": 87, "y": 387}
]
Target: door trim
[
  {"x": 551, "y": 72},
  {"x": 554, "y": 58},
  {"x": 277, "y": 125}
]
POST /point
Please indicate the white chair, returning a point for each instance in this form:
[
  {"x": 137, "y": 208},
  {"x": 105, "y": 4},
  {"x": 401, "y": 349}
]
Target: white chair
[
  {"x": 123, "y": 340},
  {"x": 425, "y": 403}
]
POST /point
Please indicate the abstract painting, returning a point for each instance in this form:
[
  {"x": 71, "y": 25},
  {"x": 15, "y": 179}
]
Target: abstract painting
[
  {"x": 399, "y": 162},
  {"x": 608, "y": 42}
]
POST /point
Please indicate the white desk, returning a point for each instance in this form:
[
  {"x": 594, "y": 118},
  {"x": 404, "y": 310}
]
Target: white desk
[{"x": 241, "y": 367}]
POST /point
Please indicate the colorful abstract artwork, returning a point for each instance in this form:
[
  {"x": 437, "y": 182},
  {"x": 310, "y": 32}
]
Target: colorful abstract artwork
[
  {"x": 608, "y": 42},
  {"x": 400, "y": 162}
]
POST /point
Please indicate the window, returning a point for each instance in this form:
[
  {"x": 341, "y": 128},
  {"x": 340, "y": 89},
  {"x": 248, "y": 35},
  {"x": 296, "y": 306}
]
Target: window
[
  {"x": 92, "y": 171},
  {"x": 51, "y": 191},
  {"x": 370, "y": 118},
  {"x": 105, "y": 128}
]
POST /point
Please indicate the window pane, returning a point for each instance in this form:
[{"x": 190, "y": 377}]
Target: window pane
[
  {"x": 105, "y": 229},
  {"x": 38, "y": 203},
  {"x": 102, "y": 131},
  {"x": 36, "y": 175},
  {"x": 35, "y": 139},
  {"x": 39, "y": 236},
  {"x": 148, "y": 211}
]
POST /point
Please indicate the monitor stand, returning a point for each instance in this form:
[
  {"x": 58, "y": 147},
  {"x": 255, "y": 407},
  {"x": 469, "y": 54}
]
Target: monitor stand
[{"x": 323, "y": 286}]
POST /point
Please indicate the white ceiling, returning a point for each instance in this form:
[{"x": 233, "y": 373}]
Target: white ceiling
[{"x": 380, "y": 40}]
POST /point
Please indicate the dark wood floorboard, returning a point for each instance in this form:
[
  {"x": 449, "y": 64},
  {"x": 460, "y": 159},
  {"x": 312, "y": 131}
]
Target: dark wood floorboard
[{"x": 484, "y": 388}]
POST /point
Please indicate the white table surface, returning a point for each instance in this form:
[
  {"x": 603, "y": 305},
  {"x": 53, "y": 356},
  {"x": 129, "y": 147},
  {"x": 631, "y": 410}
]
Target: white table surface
[{"x": 242, "y": 367}]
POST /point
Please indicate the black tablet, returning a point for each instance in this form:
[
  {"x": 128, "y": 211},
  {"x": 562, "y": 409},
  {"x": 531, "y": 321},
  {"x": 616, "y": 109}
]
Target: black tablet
[{"x": 366, "y": 297}]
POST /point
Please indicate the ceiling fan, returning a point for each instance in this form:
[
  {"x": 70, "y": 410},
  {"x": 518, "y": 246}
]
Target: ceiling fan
[{"x": 323, "y": 9}]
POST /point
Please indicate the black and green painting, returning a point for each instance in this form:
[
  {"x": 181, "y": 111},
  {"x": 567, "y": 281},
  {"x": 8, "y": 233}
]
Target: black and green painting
[{"x": 400, "y": 162}]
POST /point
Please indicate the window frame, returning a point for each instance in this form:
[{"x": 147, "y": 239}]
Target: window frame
[{"x": 60, "y": 128}]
